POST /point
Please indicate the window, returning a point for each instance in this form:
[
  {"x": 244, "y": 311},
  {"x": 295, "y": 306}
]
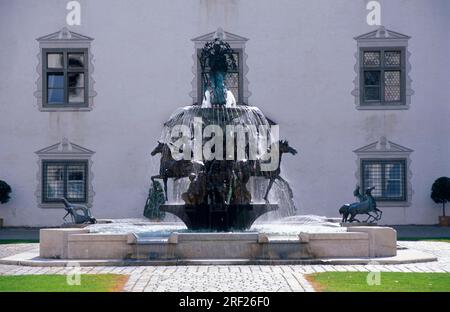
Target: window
[
  {"x": 66, "y": 77},
  {"x": 387, "y": 176},
  {"x": 64, "y": 179},
  {"x": 382, "y": 71},
  {"x": 65, "y": 170},
  {"x": 382, "y": 76},
  {"x": 233, "y": 78},
  {"x": 386, "y": 165},
  {"x": 65, "y": 81}
]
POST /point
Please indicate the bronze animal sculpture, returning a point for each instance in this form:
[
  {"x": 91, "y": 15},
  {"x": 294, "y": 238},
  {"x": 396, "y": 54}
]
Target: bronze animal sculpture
[
  {"x": 240, "y": 178},
  {"x": 274, "y": 175},
  {"x": 196, "y": 192},
  {"x": 80, "y": 214},
  {"x": 172, "y": 168},
  {"x": 219, "y": 181},
  {"x": 366, "y": 205}
]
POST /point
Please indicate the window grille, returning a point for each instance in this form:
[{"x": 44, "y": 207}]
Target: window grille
[
  {"x": 382, "y": 73},
  {"x": 388, "y": 177},
  {"x": 64, "y": 179}
]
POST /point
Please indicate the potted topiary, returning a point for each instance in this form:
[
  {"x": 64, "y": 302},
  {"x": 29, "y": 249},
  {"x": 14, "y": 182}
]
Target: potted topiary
[
  {"x": 5, "y": 190},
  {"x": 440, "y": 193}
]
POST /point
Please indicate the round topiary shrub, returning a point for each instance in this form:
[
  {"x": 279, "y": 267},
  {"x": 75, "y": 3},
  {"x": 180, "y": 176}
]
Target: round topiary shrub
[
  {"x": 440, "y": 192},
  {"x": 5, "y": 190}
]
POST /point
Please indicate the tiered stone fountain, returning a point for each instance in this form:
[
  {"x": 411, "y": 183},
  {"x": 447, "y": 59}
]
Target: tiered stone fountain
[{"x": 217, "y": 208}]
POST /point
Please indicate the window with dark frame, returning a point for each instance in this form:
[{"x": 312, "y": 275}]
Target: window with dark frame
[
  {"x": 65, "y": 77},
  {"x": 388, "y": 177},
  {"x": 382, "y": 76},
  {"x": 233, "y": 79},
  {"x": 64, "y": 179}
]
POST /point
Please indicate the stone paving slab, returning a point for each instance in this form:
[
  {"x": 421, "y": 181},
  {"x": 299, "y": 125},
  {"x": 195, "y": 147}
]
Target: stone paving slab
[{"x": 7, "y": 250}]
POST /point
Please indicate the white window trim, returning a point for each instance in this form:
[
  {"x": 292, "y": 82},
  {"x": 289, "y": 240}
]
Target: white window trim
[
  {"x": 236, "y": 42},
  {"x": 65, "y": 39},
  {"x": 385, "y": 150},
  {"x": 382, "y": 38},
  {"x": 64, "y": 150}
]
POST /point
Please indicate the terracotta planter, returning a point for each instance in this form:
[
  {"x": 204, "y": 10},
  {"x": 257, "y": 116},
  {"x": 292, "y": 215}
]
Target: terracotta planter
[{"x": 444, "y": 221}]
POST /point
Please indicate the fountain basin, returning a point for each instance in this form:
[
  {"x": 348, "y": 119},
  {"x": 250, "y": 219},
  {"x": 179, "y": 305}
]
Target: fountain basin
[
  {"x": 219, "y": 217},
  {"x": 81, "y": 244}
]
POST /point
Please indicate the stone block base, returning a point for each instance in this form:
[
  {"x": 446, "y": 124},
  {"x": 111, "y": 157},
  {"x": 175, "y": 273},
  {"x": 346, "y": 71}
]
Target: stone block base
[
  {"x": 54, "y": 242},
  {"x": 382, "y": 240},
  {"x": 357, "y": 242}
]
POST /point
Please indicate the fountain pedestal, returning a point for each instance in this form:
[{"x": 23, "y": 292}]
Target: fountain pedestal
[{"x": 218, "y": 217}]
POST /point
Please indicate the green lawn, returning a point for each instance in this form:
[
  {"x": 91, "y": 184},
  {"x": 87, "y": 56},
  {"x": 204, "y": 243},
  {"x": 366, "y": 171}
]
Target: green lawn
[
  {"x": 389, "y": 282},
  {"x": 433, "y": 239},
  {"x": 18, "y": 241},
  {"x": 58, "y": 283}
]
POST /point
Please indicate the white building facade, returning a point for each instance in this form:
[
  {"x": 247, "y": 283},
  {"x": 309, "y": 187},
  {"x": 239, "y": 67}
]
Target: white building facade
[{"x": 82, "y": 106}]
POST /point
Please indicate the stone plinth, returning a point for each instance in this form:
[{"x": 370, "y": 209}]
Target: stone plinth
[
  {"x": 98, "y": 246},
  {"x": 54, "y": 242},
  {"x": 336, "y": 245},
  {"x": 382, "y": 240}
]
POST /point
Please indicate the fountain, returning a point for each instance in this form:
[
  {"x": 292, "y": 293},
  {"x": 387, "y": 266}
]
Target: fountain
[
  {"x": 241, "y": 144},
  {"x": 223, "y": 153}
]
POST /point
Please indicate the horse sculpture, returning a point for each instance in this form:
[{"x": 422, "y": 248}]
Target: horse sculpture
[
  {"x": 274, "y": 174},
  {"x": 176, "y": 169},
  {"x": 366, "y": 205},
  {"x": 283, "y": 147},
  {"x": 172, "y": 168}
]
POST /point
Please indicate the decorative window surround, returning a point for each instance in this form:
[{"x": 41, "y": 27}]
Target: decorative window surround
[
  {"x": 237, "y": 43},
  {"x": 64, "y": 151},
  {"x": 386, "y": 150},
  {"x": 65, "y": 40},
  {"x": 383, "y": 39}
]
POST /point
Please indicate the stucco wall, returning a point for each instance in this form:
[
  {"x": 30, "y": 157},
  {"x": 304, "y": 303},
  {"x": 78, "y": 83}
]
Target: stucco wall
[{"x": 301, "y": 59}]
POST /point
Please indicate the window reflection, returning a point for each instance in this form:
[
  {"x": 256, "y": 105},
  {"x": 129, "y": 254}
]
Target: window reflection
[
  {"x": 76, "y": 60},
  {"x": 55, "y": 88},
  {"x": 55, "y": 60}
]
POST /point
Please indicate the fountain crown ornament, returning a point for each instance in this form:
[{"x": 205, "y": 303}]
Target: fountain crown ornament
[
  {"x": 216, "y": 60},
  {"x": 219, "y": 34}
]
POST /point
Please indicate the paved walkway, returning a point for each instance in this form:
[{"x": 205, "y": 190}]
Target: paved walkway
[
  {"x": 7, "y": 250},
  {"x": 233, "y": 277}
]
